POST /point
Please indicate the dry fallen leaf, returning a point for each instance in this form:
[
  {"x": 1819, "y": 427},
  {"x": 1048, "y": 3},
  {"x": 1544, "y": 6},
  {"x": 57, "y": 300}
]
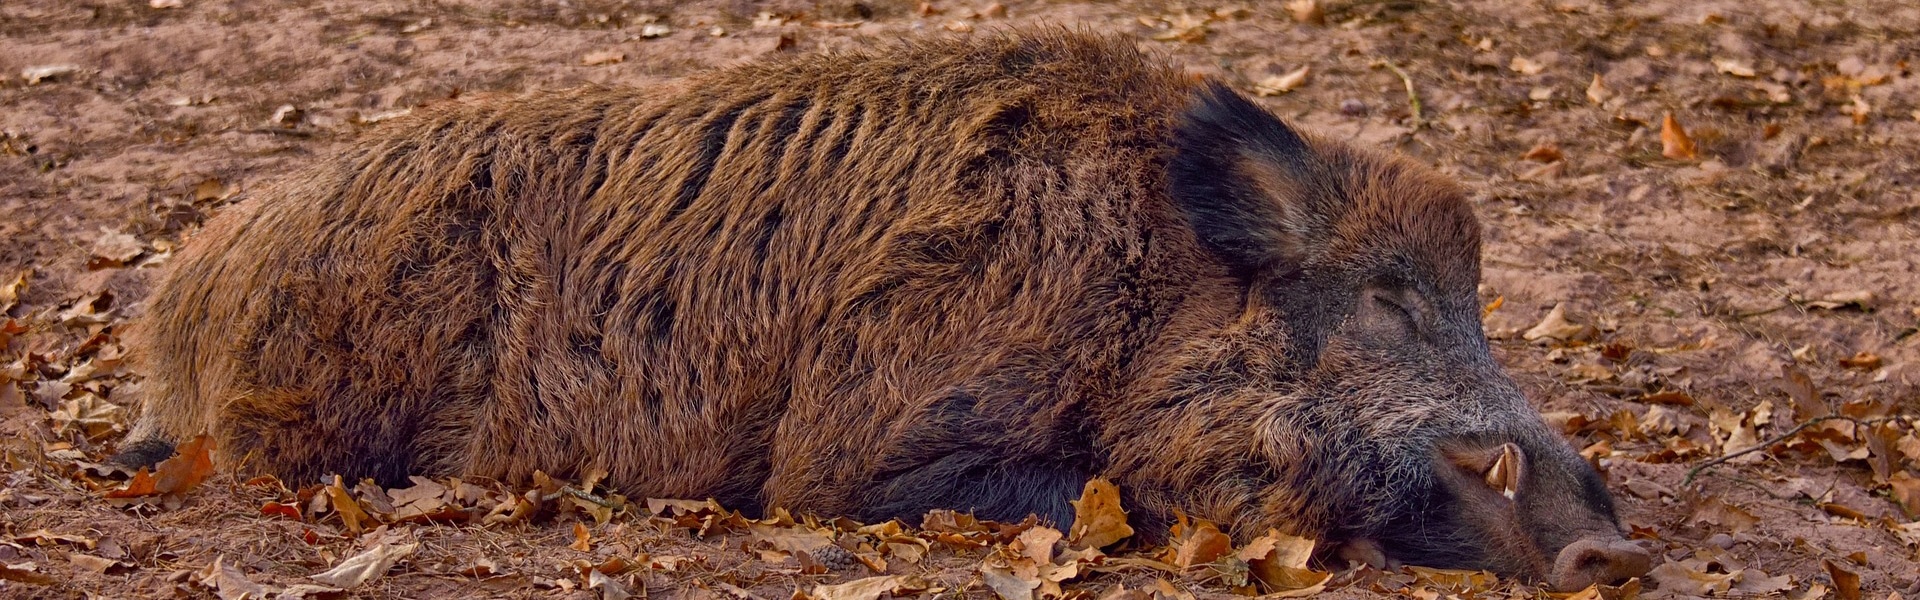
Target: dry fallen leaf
[
  {"x": 1280, "y": 84},
  {"x": 229, "y": 583},
  {"x": 1526, "y": 66},
  {"x": 25, "y": 573},
  {"x": 1687, "y": 578},
  {"x": 872, "y": 588},
  {"x": 365, "y": 566},
  {"x": 90, "y": 415},
  {"x": 1306, "y": 11},
  {"x": 1184, "y": 27},
  {"x": 1755, "y": 581},
  {"x": 1713, "y": 510},
  {"x": 35, "y": 75},
  {"x": 1862, "y": 361},
  {"x": 1597, "y": 91},
  {"x": 1904, "y": 488},
  {"x": 114, "y": 249},
  {"x": 344, "y": 505},
  {"x": 1735, "y": 432},
  {"x": 1736, "y": 68},
  {"x": 191, "y": 464},
  {"x": 1661, "y": 420},
  {"x": 1196, "y": 543},
  {"x": 582, "y": 539},
  {"x": 1545, "y": 152},
  {"x": 603, "y": 57},
  {"x": 610, "y": 588},
  {"x": 10, "y": 292},
  {"x": 94, "y": 309},
  {"x": 1098, "y": 519},
  {"x": 1859, "y": 110},
  {"x": 1846, "y": 584},
  {"x": 98, "y": 564},
  {"x": 1859, "y": 299},
  {"x": 1555, "y": 326},
  {"x": 1279, "y": 563},
  {"x": 42, "y": 537},
  {"x": 1674, "y": 142}
]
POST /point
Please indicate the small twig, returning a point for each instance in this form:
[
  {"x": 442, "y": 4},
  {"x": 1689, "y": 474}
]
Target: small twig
[
  {"x": 1413, "y": 97},
  {"x": 1759, "y": 312},
  {"x": 298, "y": 133},
  {"x": 1695, "y": 471}
]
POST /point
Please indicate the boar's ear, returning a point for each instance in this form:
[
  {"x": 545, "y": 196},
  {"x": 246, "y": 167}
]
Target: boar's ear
[
  {"x": 1236, "y": 173},
  {"x": 1499, "y": 467}
]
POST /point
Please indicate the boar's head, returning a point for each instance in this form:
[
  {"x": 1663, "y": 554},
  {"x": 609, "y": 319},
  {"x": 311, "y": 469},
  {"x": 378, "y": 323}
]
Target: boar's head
[{"x": 1392, "y": 428}]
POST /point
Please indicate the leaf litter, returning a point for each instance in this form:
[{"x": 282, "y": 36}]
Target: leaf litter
[{"x": 1646, "y": 415}]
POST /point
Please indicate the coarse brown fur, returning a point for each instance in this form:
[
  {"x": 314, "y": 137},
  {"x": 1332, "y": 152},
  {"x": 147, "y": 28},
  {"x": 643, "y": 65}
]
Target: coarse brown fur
[{"x": 953, "y": 274}]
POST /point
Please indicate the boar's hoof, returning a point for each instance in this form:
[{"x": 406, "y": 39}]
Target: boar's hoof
[
  {"x": 1367, "y": 552},
  {"x": 1590, "y": 561}
]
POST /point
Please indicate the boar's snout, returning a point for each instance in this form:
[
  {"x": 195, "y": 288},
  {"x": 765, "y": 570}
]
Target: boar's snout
[{"x": 1598, "y": 560}]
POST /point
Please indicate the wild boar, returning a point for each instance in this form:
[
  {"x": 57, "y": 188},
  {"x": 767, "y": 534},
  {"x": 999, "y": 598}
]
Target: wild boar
[{"x": 966, "y": 274}]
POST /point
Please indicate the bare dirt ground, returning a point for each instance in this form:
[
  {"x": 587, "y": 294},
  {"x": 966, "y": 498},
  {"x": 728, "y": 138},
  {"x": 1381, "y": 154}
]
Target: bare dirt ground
[{"x": 1716, "y": 290}]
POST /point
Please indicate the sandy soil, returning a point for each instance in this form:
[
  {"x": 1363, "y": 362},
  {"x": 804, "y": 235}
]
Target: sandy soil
[{"x": 1694, "y": 290}]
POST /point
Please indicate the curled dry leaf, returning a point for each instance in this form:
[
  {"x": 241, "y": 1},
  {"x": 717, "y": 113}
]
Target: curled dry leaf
[
  {"x": 1306, "y": 11},
  {"x": 1674, "y": 142},
  {"x": 35, "y": 75},
  {"x": 42, "y": 537},
  {"x": 1856, "y": 299},
  {"x": 1546, "y": 152},
  {"x": 25, "y": 573},
  {"x": 10, "y": 292},
  {"x": 1281, "y": 84},
  {"x": 1846, "y": 583},
  {"x": 1556, "y": 326},
  {"x": 1098, "y": 519},
  {"x": 1597, "y": 91},
  {"x": 582, "y": 538},
  {"x": 365, "y": 566},
  {"x": 1736, "y": 68}
]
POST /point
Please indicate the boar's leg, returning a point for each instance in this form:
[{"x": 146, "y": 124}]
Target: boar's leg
[{"x": 991, "y": 449}]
